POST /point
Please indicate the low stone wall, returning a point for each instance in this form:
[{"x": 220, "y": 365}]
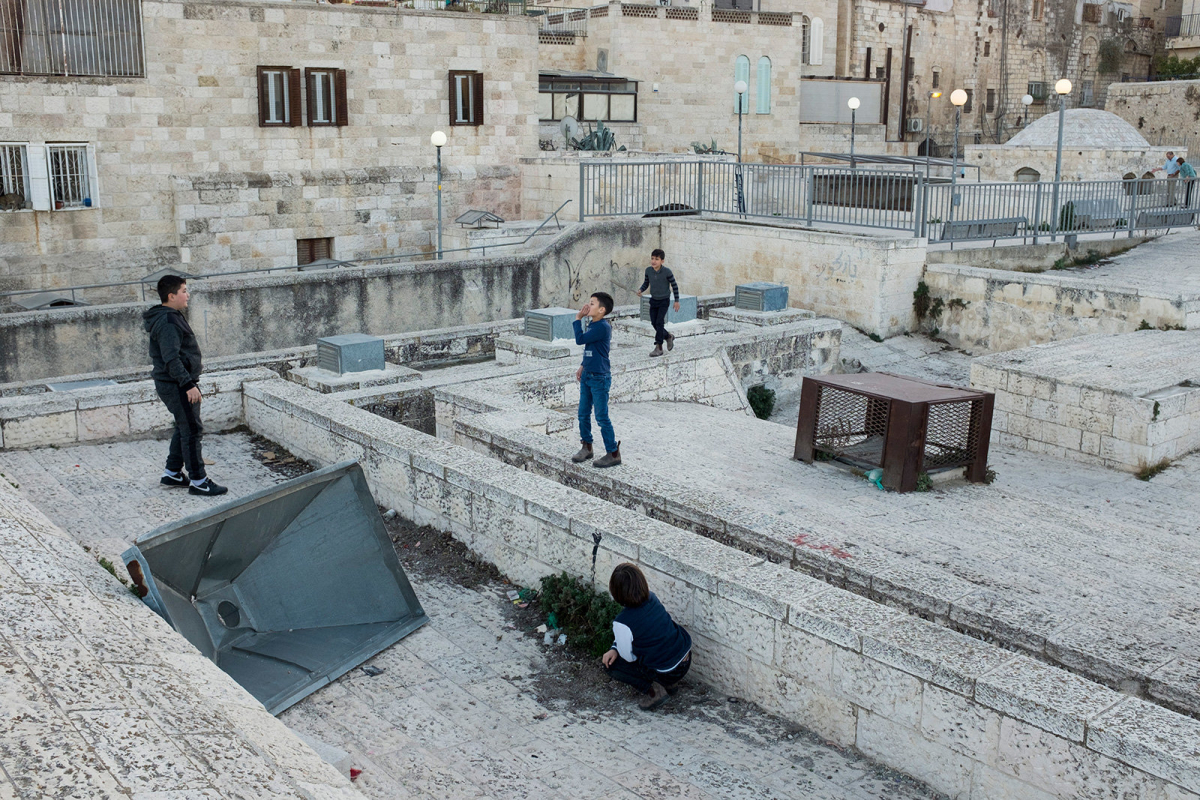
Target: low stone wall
[
  {"x": 1126, "y": 402},
  {"x": 103, "y": 699},
  {"x": 1029, "y": 257},
  {"x": 1162, "y": 111},
  {"x": 125, "y": 411},
  {"x": 986, "y": 311},
  {"x": 866, "y": 281},
  {"x": 970, "y": 719},
  {"x": 284, "y": 310}
]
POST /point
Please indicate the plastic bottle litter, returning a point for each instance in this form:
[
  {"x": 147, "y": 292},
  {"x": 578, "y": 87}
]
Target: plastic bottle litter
[
  {"x": 875, "y": 476},
  {"x": 562, "y": 638},
  {"x": 391, "y": 512},
  {"x": 549, "y": 637}
]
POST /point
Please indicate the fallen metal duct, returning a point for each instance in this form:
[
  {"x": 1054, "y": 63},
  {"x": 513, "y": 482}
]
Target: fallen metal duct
[{"x": 287, "y": 589}]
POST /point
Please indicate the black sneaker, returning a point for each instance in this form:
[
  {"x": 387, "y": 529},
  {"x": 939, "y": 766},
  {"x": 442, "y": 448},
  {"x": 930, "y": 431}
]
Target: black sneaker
[
  {"x": 182, "y": 480},
  {"x": 207, "y": 488}
]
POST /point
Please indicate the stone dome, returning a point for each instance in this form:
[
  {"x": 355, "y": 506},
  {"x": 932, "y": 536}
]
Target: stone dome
[{"x": 1083, "y": 127}]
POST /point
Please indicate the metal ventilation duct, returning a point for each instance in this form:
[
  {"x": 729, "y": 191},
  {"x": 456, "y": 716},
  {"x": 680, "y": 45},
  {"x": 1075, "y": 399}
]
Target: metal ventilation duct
[{"x": 287, "y": 589}]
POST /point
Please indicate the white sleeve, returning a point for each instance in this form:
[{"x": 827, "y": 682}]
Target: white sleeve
[{"x": 624, "y": 641}]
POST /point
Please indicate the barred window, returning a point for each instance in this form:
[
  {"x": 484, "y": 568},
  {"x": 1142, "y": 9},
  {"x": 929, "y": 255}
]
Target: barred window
[
  {"x": 69, "y": 183},
  {"x": 14, "y": 178},
  {"x": 72, "y": 37}
]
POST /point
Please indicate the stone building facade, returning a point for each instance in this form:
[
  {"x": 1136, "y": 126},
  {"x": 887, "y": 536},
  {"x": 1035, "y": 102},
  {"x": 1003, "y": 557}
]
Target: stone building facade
[
  {"x": 997, "y": 50},
  {"x": 181, "y": 172},
  {"x": 1165, "y": 112}
]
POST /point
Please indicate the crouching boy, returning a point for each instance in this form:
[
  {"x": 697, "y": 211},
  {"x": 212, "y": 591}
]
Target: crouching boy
[{"x": 651, "y": 652}]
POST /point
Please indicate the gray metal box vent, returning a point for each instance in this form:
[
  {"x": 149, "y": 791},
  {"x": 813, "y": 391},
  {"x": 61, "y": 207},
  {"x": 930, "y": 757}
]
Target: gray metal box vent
[
  {"x": 550, "y": 323},
  {"x": 761, "y": 296},
  {"x": 287, "y": 589},
  {"x": 352, "y": 352},
  {"x": 688, "y": 309}
]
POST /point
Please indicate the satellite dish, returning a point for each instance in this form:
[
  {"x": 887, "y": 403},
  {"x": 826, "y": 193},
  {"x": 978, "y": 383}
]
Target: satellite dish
[{"x": 570, "y": 128}]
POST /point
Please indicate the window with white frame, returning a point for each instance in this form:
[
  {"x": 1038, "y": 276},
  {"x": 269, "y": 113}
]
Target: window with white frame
[
  {"x": 278, "y": 96},
  {"x": 741, "y": 72},
  {"x": 14, "y": 178},
  {"x": 466, "y": 97},
  {"x": 326, "y": 96},
  {"x": 69, "y": 184},
  {"x": 804, "y": 47},
  {"x": 591, "y": 99},
  {"x": 763, "y": 87}
]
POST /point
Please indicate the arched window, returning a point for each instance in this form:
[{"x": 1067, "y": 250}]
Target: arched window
[
  {"x": 741, "y": 72},
  {"x": 804, "y": 45},
  {"x": 762, "y": 86},
  {"x": 816, "y": 46},
  {"x": 1028, "y": 175}
]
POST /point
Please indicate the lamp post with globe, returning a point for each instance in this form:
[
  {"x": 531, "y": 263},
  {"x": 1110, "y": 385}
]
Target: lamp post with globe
[{"x": 1062, "y": 89}]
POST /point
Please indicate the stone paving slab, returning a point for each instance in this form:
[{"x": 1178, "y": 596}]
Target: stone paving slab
[
  {"x": 456, "y": 712},
  {"x": 1082, "y": 566}
]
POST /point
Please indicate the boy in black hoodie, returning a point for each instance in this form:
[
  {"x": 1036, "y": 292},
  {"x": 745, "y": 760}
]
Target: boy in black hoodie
[{"x": 175, "y": 355}]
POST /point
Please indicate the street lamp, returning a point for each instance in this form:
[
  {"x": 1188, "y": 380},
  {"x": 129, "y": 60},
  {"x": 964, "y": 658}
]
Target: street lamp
[
  {"x": 928, "y": 122},
  {"x": 1062, "y": 88},
  {"x": 958, "y": 98},
  {"x": 1026, "y": 101},
  {"x": 853, "y": 103},
  {"x": 740, "y": 87},
  {"x": 438, "y": 140}
]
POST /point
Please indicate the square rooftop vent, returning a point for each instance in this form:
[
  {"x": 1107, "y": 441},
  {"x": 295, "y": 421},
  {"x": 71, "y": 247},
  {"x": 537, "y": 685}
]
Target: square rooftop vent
[
  {"x": 761, "y": 296},
  {"x": 550, "y": 323},
  {"x": 351, "y": 352},
  {"x": 688, "y": 309}
]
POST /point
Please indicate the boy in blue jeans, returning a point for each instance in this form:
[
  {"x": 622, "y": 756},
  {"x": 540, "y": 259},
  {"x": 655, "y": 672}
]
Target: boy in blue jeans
[{"x": 595, "y": 378}]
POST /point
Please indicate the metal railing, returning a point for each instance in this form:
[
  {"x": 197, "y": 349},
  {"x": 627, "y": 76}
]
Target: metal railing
[
  {"x": 566, "y": 21},
  {"x": 1186, "y": 25},
  {"x": 72, "y": 37},
  {"x": 887, "y": 200},
  {"x": 329, "y": 264}
]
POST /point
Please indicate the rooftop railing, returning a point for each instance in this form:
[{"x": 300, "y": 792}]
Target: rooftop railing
[{"x": 1186, "y": 25}]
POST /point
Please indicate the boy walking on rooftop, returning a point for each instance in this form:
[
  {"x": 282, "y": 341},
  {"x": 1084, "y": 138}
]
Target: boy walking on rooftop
[
  {"x": 661, "y": 282},
  {"x": 595, "y": 379}
]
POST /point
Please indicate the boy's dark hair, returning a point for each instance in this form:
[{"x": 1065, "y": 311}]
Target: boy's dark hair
[
  {"x": 605, "y": 300},
  {"x": 169, "y": 285},
  {"x": 658, "y": 251},
  {"x": 628, "y": 585},
  {"x": 1179, "y": 160}
]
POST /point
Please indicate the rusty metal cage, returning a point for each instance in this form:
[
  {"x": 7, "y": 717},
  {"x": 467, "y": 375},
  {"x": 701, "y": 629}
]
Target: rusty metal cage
[{"x": 901, "y": 424}]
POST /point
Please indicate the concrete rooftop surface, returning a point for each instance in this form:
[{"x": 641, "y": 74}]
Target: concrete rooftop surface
[{"x": 469, "y": 706}]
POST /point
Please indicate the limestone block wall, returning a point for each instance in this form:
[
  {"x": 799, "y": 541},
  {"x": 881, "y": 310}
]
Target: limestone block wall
[
  {"x": 103, "y": 699},
  {"x": 866, "y": 281},
  {"x": 1072, "y": 409},
  {"x": 1167, "y": 113},
  {"x": 124, "y": 411},
  {"x": 971, "y": 719},
  {"x": 194, "y": 117},
  {"x": 282, "y": 310},
  {"x": 986, "y": 311}
]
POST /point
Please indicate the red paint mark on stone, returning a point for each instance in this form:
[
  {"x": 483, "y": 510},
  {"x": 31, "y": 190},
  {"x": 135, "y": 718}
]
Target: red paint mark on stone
[{"x": 803, "y": 541}]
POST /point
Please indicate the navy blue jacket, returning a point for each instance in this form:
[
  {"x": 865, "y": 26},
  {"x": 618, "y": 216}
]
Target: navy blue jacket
[
  {"x": 649, "y": 635},
  {"x": 596, "y": 340}
]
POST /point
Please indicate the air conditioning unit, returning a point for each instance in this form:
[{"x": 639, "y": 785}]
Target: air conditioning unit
[
  {"x": 760, "y": 296},
  {"x": 351, "y": 352},
  {"x": 916, "y": 125}
]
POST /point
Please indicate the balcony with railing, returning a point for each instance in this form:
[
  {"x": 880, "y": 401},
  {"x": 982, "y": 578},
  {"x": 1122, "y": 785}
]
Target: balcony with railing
[{"x": 1183, "y": 26}]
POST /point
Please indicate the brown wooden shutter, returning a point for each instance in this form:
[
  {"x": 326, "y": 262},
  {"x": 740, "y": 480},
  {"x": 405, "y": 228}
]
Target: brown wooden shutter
[
  {"x": 310, "y": 93},
  {"x": 293, "y": 76},
  {"x": 341, "y": 101},
  {"x": 453, "y": 99},
  {"x": 263, "y": 111},
  {"x": 304, "y": 251},
  {"x": 321, "y": 248},
  {"x": 477, "y": 80}
]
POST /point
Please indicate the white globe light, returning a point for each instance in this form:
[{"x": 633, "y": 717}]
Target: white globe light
[
  {"x": 438, "y": 139},
  {"x": 740, "y": 87},
  {"x": 958, "y": 97},
  {"x": 1027, "y": 99},
  {"x": 1063, "y": 86},
  {"x": 853, "y": 103}
]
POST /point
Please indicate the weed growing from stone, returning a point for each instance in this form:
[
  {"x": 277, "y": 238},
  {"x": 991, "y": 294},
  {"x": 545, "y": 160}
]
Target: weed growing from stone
[
  {"x": 921, "y": 300},
  {"x": 924, "y": 482},
  {"x": 112, "y": 570},
  {"x": 1148, "y": 471},
  {"x": 874, "y": 337},
  {"x": 762, "y": 401},
  {"x": 1157, "y": 408},
  {"x": 580, "y": 612}
]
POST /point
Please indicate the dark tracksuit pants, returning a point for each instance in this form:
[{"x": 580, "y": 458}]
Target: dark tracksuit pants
[
  {"x": 185, "y": 443},
  {"x": 658, "y": 318},
  {"x": 640, "y": 677}
]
